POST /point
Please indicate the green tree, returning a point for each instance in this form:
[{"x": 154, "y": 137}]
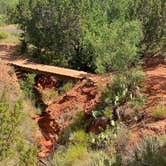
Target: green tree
[
  {"x": 85, "y": 35},
  {"x": 152, "y": 14}
]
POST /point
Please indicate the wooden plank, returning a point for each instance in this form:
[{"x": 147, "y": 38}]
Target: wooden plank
[{"x": 49, "y": 69}]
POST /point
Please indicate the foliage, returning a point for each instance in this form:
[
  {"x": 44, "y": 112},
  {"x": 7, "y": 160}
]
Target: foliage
[
  {"x": 3, "y": 35},
  {"x": 120, "y": 50},
  {"x": 84, "y": 34},
  {"x": 73, "y": 154},
  {"x": 105, "y": 160},
  {"x": 27, "y": 85},
  {"x": 5, "y": 6},
  {"x": 152, "y": 14},
  {"x": 159, "y": 112},
  {"x": 38, "y": 111},
  {"x": 10, "y": 120},
  {"x": 28, "y": 156},
  {"x": 2, "y": 22},
  {"x": 12, "y": 144},
  {"x": 77, "y": 124},
  {"x": 106, "y": 140},
  {"x": 6, "y": 37},
  {"x": 123, "y": 88},
  {"x": 79, "y": 137}
]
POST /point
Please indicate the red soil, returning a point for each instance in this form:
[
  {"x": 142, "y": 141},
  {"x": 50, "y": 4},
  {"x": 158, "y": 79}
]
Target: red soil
[
  {"x": 155, "y": 92},
  {"x": 83, "y": 97}
]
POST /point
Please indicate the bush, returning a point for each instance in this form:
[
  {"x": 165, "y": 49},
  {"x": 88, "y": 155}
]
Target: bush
[
  {"x": 3, "y": 35},
  {"x": 14, "y": 148},
  {"x": 28, "y": 85},
  {"x": 124, "y": 88}
]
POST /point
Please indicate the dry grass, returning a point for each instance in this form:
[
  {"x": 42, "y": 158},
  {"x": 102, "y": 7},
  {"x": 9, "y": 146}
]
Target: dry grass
[{"x": 49, "y": 96}]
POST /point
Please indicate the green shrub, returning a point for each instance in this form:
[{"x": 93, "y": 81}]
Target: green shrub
[
  {"x": 124, "y": 88},
  {"x": 3, "y": 35},
  {"x": 14, "y": 148},
  {"x": 159, "y": 112},
  {"x": 10, "y": 119},
  {"x": 77, "y": 125},
  {"x": 28, "y": 85},
  {"x": 102, "y": 159},
  {"x": 102, "y": 140},
  {"x": 79, "y": 137}
]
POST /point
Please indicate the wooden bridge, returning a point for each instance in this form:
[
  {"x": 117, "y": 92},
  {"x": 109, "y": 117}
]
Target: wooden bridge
[
  {"x": 51, "y": 70},
  {"x": 7, "y": 56}
]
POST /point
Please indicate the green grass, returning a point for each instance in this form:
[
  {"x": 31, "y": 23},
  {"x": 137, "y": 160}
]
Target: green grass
[
  {"x": 159, "y": 112},
  {"x": 3, "y": 35},
  {"x": 6, "y": 37},
  {"x": 66, "y": 87}
]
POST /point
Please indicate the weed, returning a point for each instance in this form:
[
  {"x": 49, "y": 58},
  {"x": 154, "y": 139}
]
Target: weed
[
  {"x": 3, "y": 35},
  {"x": 38, "y": 111},
  {"x": 49, "y": 95},
  {"x": 67, "y": 86},
  {"x": 6, "y": 37},
  {"x": 79, "y": 137},
  {"x": 159, "y": 112},
  {"x": 74, "y": 153}
]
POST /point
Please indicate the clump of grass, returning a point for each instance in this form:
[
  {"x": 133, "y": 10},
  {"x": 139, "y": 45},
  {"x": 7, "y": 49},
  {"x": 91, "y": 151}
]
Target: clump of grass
[
  {"x": 6, "y": 37},
  {"x": 49, "y": 95},
  {"x": 75, "y": 153},
  {"x": 79, "y": 137},
  {"x": 38, "y": 111},
  {"x": 3, "y": 35},
  {"x": 67, "y": 86},
  {"x": 159, "y": 112}
]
